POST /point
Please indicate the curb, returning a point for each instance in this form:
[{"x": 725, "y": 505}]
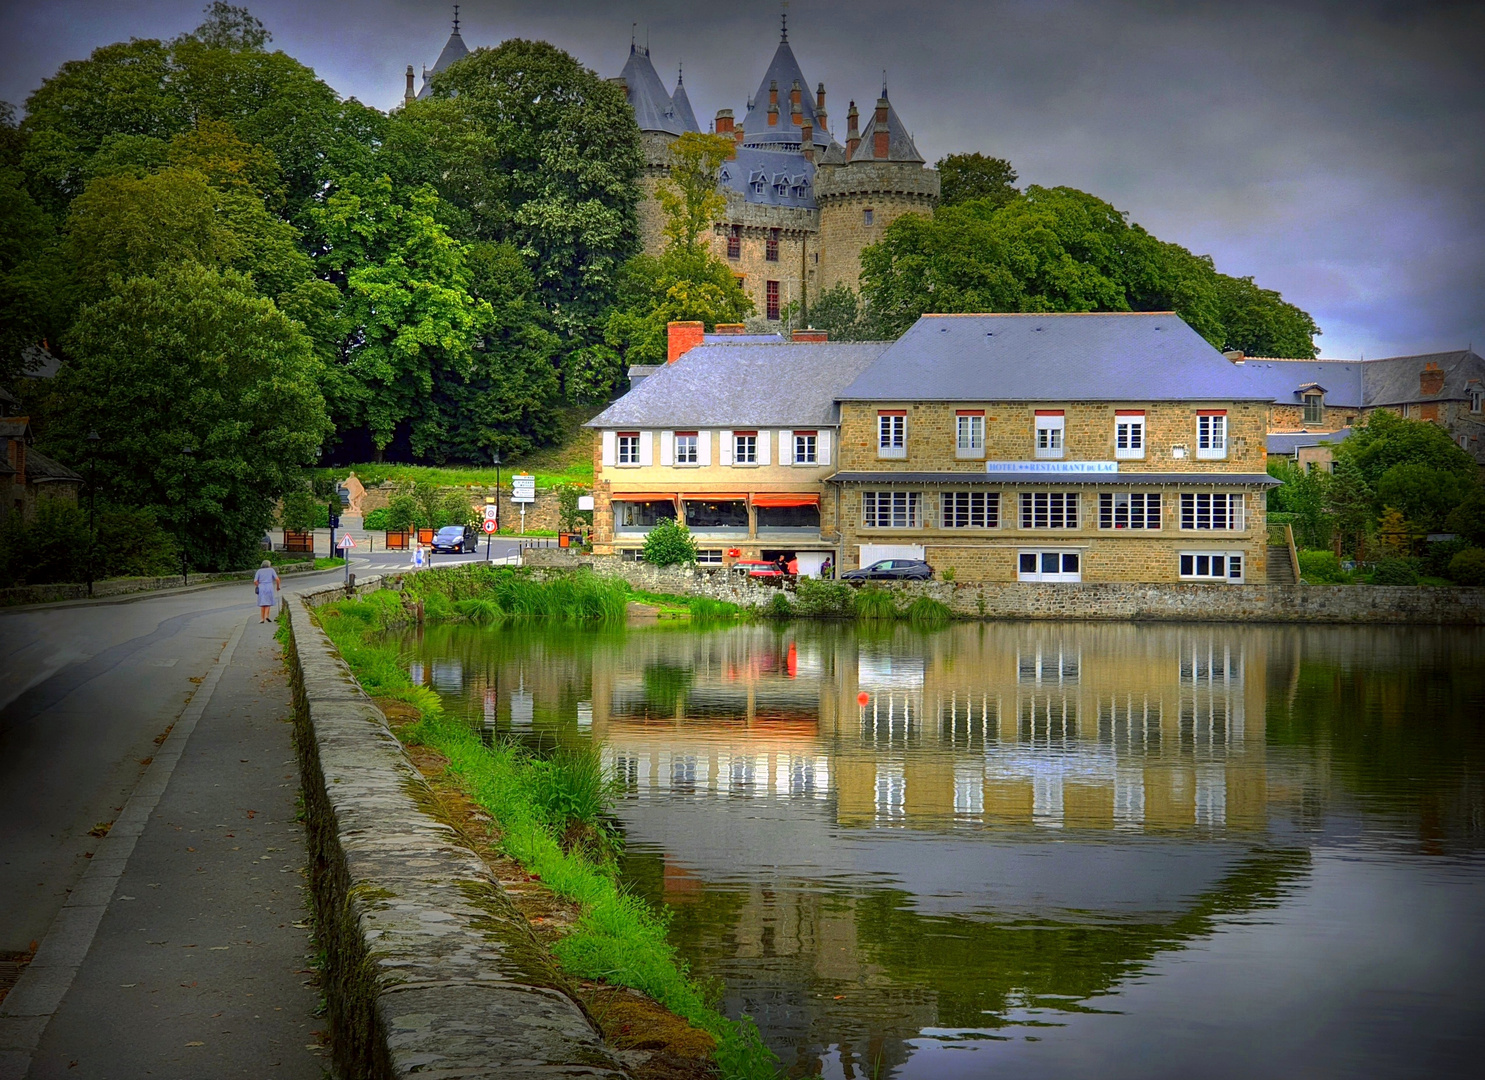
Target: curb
[{"x": 430, "y": 972}]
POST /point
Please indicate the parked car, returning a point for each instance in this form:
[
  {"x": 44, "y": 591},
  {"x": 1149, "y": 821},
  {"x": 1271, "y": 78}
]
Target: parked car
[
  {"x": 758, "y": 568},
  {"x": 891, "y": 570},
  {"x": 455, "y": 538}
]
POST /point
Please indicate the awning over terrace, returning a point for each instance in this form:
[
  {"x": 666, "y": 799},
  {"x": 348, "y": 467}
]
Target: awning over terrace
[{"x": 786, "y": 498}]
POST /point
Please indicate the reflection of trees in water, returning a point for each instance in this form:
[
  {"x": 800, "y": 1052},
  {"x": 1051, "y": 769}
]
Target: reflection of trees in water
[
  {"x": 1395, "y": 720},
  {"x": 909, "y": 970}
]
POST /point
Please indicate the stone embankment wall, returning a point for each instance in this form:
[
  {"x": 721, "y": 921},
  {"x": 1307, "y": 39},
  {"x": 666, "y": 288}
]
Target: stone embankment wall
[
  {"x": 1177, "y": 603},
  {"x": 431, "y": 971},
  {"x": 47, "y": 594},
  {"x": 541, "y": 516}
]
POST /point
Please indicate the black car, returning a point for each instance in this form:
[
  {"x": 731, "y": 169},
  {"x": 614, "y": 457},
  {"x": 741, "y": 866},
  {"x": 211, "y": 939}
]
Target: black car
[
  {"x": 455, "y": 538},
  {"x": 891, "y": 570}
]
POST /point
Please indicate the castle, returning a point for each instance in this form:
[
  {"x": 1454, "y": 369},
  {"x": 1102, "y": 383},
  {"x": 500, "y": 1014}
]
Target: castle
[{"x": 800, "y": 205}]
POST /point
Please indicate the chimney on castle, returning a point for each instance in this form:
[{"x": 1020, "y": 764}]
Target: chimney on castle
[
  {"x": 853, "y": 136},
  {"x": 410, "y": 95},
  {"x": 807, "y": 138},
  {"x": 1431, "y": 379},
  {"x": 796, "y": 104},
  {"x": 724, "y": 121},
  {"x": 773, "y": 103},
  {"x": 881, "y": 137},
  {"x": 820, "y": 107}
]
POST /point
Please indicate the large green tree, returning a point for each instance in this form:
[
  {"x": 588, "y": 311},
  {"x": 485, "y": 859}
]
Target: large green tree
[
  {"x": 963, "y": 177},
  {"x": 1059, "y": 249},
  {"x": 192, "y": 359},
  {"x": 681, "y": 284}
]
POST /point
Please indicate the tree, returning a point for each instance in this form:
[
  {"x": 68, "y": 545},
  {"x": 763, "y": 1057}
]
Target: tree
[
  {"x": 560, "y": 154},
  {"x": 232, "y": 28},
  {"x": 838, "y": 311},
  {"x": 193, "y": 359},
  {"x": 1386, "y": 439},
  {"x": 669, "y": 543},
  {"x": 1260, "y": 322},
  {"x": 689, "y": 197},
  {"x": 1349, "y": 500},
  {"x": 1425, "y": 495},
  {"x": 681, "y": 284},
  {"x": 963, "y": 177},
  {"x": 1395, "y": 535},
  {"x": 1303, "y": 494}
]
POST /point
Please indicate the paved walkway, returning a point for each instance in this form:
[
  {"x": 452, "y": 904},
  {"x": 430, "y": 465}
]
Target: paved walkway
[{"x": 176, "y": 945}]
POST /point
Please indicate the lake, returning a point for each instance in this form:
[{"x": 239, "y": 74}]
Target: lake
[{"x": 1038, "y": 849}]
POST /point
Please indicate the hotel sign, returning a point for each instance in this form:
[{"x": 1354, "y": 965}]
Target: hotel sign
[{"x": 1051, "y": 467}]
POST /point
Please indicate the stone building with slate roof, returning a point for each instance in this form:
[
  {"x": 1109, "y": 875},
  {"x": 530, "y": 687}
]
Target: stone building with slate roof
[{"x": 801, "y": 202}]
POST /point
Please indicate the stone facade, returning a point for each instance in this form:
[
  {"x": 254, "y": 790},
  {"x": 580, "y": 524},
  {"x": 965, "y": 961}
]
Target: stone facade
[{"x": 848, "y": 196}]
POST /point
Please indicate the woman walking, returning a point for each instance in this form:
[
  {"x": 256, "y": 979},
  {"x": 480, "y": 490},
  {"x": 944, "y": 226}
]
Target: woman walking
[{"x": 265, "y": 581}]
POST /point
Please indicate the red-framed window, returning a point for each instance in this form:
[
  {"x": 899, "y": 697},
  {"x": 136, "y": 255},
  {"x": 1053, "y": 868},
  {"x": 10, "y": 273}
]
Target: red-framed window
[{"x": 771, "y": 298}]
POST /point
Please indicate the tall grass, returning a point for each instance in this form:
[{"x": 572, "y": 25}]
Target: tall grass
[
  {"x": 618, "y": 937},
  {"x": 926, "y": 611},
  {"x": 874, "y": 602},
  {"x": 490, "y": 594}
]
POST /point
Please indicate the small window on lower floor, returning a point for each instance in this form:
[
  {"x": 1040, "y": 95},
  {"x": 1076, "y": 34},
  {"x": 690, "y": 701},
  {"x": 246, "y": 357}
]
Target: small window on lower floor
[
  {"x": 1049, "y": 566},
  {"x": 709, "y": 557},
  {"x": 1212, "y": 566},
  {"x": 631, "y": 554}
]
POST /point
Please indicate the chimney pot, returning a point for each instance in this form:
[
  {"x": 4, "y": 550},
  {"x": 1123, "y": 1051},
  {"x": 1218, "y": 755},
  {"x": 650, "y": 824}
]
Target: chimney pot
[
  {"x": 853, "y": 134},
  {"x": 681, "y": 338},
  {"x": 807, "y": 138},
  {"x": 724, "y": 121},
  {"x": 730, "y": 329},
  {"x": 1431, "y": 379}
]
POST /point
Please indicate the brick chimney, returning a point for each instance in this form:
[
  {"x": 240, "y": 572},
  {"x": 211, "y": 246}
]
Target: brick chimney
[
  {"x": 820, "y": 107},
  {"x": 730, "y": 329},
  {"x": 807, "y": 138},
  {"x": 773, "y": 114},
  {"x": 796, "y": 103},
  {"x": 724, "y": 121},
  {"x": 881, "y": 137},
  {"x": 410, "y": 95},
  {"x": 682, "y": 337},
  {"x": 810, "y": 336},
  {"x": 1236, "y": 356},
  {"x": 853, "y": 136},
  {"x": 1431, "y": 379}
]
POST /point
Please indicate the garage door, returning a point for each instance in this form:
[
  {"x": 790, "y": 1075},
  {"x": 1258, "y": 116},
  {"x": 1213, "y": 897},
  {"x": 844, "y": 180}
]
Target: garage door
[{"x": 871, "y": 553}]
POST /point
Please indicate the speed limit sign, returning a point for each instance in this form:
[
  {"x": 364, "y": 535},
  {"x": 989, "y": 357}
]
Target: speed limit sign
[{"x": 489, "y": 525}]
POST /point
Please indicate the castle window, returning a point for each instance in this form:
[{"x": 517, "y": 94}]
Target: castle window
[
  {"x": 734, "y": 242},
  {"x": 1314, "y": 408},
  {"x": 868, "y": 216},
  {"x": 781, "y": 185},
  {"x": 771, "y": 296},
  {"x": 771, "y": 248}
]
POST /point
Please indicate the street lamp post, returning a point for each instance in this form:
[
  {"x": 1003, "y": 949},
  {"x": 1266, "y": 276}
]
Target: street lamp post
[
  {"x": 93, "y": 440},
  {"x": 495, "y": 460},
  {"x": 187, "y": 455}
]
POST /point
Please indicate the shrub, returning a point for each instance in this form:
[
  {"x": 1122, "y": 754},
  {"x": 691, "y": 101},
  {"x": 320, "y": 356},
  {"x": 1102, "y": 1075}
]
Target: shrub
[
  {"x": 377, "y": 519},
  {"x": 669, "y": 544},
  {"x": 1321, "y": 568},
  {"x": 779, "y": 607},
  {"x": 926, "y": 611},
  {"x": 131, "y": 543},
  {"x": 1439, "y": 555},
  {"x": 949, "y": 573},
  {"x": 402, "y": 512},
  {"x": 455, "y": 509},
  {"x": 1394, "y": 572},
  {"x": 875, "y": 602},
  {"x": 299, "y": 511},
  {"x": 569, "y": 517},
  {"x": 1468, "y": 567},
  {"x": 826, "y": 599}
]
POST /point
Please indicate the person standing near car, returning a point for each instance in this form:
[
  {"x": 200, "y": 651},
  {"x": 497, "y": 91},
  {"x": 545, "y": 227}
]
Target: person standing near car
[{"x": 266, "y": 585}]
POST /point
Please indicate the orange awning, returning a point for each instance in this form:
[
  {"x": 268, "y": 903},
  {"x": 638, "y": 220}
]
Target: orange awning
[
  {"x": 643, "y": 496},
  {"x": 715, "y": 496},
  {"x": 786, "y": 498}
]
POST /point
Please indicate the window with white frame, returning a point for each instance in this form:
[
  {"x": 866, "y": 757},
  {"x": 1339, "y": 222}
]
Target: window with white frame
[
  {"x": 1128, "y": 510},
  {"x": 627, "y": 448},
  {"x": 892, "y": 434},
  {"x": 1049, "y": 509},
  {"x": 890, "y": 509},
  {"x": 1464, "y": 442},
  {"x": 806, "y": 448},
  {"x": 1129, "y": 435},
  {"x": 1220, "y": 511},
  {"x": 1049, "y": 566},
  {"x": 745, "y": 448},
  {"x": 1314, "y": 407},
  {"x": 1477, "y": 401},
  {"x": 969, "y": 429},
  {"x": 1211, "y": 566},
  {"x": 971, "y": 509},
  {"x": 1049, "y": 433},
  {"x": 1211, "y": 435},
  {"x": 709, "y": 556},
  {"x": 686, "y": 451}
]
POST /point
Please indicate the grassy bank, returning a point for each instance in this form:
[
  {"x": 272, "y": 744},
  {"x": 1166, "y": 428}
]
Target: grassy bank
[{"x": 551, "y": 812}]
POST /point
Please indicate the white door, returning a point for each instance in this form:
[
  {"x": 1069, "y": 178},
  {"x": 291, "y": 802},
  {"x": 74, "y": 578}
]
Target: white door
[
  {"x": 811, "y": 561},
  {"x": 871, "y": 553}
]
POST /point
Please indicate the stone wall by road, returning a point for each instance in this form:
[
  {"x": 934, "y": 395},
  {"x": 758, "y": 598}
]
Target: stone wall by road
[
  {"x": 541, "y": 516},
  {"x": 47, "y": 594},
  {"x": 431, "y": 972}
]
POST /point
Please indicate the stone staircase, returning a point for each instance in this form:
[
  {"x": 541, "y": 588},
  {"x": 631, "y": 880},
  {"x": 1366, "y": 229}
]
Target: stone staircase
[{"x": 1279, "y": 570}]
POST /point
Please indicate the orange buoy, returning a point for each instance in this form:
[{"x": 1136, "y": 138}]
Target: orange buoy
[{"x": 862, "y": 698}]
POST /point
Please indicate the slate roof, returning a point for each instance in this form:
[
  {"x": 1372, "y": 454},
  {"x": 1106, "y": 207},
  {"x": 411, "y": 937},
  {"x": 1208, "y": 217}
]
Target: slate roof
[
  {"x": 900, "y": 146},
  {"x": 653, "y": 109},
  {"x": 730, "y": 386},
  {"x": 1288, "y": 442},
  {"x": 453, "y": 50},
  {"x": 41, "y": 469},
  {"x": 682, "y": 102},
  {"x": 783, "y": 71},
  {"x": 967, "y": 477},
  {"x": 1145, "y": 356},
  {"x": 742, "y": 339},
  {"x": 787, "y": 179},
  {"x": 1364, "y": 383}
]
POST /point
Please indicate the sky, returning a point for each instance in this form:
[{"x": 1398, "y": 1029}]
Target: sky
[{"x": 1333, "y": 150}]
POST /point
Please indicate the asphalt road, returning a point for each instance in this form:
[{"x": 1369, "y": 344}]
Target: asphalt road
[{"x": 148, "y": 839}]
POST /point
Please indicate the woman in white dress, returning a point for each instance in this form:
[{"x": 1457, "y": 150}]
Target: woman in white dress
[{"x": 267, "y": 585}]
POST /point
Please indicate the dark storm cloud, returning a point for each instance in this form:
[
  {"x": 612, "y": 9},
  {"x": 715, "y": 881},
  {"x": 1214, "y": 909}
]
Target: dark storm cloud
[{"x": 1334, "y": 151}]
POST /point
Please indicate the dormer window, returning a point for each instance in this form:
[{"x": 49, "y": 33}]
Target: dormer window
[
  {"x": 1313, "y": 397},
  {"x": 781, "y": 185},
  {"x": 758, "y": 182},
  {"x": 800, "y": 187},
  {"x": 1477, "y": 399},
  {"x": 725, "y": 174}
]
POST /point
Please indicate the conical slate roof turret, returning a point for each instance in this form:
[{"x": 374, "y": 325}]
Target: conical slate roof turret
[
  {"x": 453, "y": 50},
  {"x": 898, "y": 145},
  {"x": 682, "y": 104},
  {"x": 783, "y": 75},
  {"x": 653, "y": 109}
]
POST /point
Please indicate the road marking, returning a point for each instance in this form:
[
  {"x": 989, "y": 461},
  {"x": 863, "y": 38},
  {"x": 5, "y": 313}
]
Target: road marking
[{"x": 31, "y": 1003}]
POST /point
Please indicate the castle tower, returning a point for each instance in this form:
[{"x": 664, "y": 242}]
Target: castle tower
[
  {"x": 453, "y": 50},
  {"x": 881, "y": 177},
  {"x": 661, "y": 121}
]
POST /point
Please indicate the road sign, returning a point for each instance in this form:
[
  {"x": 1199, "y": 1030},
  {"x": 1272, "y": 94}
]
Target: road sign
[
  {"x": 489, "y": 525},
  {"x": 585, "y": 502},
  {"x": 523, "y": 488},
  {"x": 346, "y": 542},
  {"x": 491, "y": 512}
]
